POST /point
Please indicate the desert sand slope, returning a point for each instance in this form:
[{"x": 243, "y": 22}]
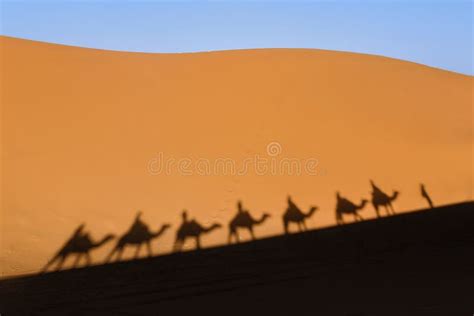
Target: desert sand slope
[
  {"x": 418, "y": 263},
  {"x": 82, "y": 133}
]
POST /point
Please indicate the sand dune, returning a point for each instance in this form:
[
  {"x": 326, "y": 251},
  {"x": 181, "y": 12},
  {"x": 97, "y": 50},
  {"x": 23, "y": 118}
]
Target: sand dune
[{"x": 83, "y": 129}]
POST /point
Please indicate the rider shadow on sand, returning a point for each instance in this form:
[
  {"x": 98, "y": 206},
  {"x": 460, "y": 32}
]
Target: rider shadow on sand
[
  {"x": 294, "y": 214},
  {"x": 137, "y": 235},
  {"x": 243, "y": 219},
  {"x": 380, "y": 198},
  {"x": 344, "y": 206},
  {"x": 79, "y": 244},
  {"x": 191, "y": 229}
]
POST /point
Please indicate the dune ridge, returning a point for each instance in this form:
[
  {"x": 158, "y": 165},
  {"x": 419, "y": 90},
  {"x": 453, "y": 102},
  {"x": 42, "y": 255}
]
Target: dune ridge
[{"x": 90, "y": 49}]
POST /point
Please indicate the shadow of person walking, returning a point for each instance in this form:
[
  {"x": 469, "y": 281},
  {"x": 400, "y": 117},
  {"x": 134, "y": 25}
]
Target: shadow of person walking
[{"x": 425, "y": 195}]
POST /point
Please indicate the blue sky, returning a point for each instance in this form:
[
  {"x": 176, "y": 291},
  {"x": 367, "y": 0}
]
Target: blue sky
[{"x": 435, "y": 33}]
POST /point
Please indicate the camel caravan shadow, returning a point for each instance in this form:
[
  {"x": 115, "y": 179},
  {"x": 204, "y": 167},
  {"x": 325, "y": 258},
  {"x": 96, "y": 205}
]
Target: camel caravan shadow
[{"x": 80, "y": 243}]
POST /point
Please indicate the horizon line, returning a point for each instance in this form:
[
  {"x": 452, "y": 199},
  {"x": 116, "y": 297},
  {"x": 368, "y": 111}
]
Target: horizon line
[{"x": 231, "y": 50}]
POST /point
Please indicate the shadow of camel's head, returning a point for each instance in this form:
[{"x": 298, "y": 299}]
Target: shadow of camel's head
[
  {"x": 166, "y": 226},
  {"x": 109, "y": 237}
]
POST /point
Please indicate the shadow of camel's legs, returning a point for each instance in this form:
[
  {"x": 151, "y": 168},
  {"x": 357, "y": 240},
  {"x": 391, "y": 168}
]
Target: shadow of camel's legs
[
  {"x": 391, "y": 208},
  {"x": 178, "y": 244},
  {"x": 339, "y": 219},
  {"x": 198, "y": 242},
  {"x": 61, "y": 262},
  {"x": 88, "y": 259},
  {"x": 148, "y": 246},
  {"x": 233, "y": 233},
  {"x": 78, "y": 258},
  {"x": 252, "y": 235},
  {"x": 377, "y": 209},
  {"x": 137, "y": 250},
  {"x": 110, "y": 255},
  {"x": 50, "y": 263},
  {"x": 120, "y": 252}
]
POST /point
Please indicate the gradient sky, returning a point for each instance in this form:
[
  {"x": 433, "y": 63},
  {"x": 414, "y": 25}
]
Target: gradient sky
[{"x": 435, "y": 33}]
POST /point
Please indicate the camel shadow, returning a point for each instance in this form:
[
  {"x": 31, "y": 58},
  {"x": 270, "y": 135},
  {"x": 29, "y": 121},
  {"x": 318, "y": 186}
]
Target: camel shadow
[
  {"x": 380, "y": 198},
  {"x": 345, "y": 206},
  {"x": 293, "y": 214},
  {"x": 80, "y": 244},
  {"x": 137, "y": 235},
  {"x": 243, "y": 219},
  {"x": 191, "y": 229}
]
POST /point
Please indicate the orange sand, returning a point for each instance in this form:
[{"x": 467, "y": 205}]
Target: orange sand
[{"x": 80, "y": 127}]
